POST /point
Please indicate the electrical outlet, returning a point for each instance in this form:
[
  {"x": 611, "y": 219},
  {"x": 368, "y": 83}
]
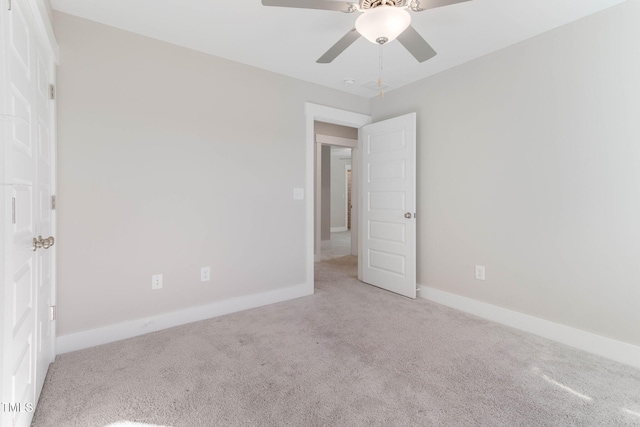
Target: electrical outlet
[
  {"x": 480, "y": 272},
  {"x": 156, "y": 281},
  {"x": 205, "y": 274}
]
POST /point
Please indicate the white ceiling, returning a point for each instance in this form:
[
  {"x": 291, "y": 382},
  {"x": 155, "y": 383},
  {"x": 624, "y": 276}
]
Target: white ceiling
[{"x": 288, "y": 41}]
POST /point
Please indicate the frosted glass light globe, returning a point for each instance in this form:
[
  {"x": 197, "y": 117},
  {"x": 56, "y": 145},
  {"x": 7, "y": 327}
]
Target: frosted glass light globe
[{"x": 383, "y": 22}]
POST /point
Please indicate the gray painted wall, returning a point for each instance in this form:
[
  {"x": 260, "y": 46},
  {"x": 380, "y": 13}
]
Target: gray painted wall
[
  {"x": 171, "y": 160},
  {"x": 325, "y": 224},
  {"x": 529, "y": 164},
  {"x": 322, "y": 128}
]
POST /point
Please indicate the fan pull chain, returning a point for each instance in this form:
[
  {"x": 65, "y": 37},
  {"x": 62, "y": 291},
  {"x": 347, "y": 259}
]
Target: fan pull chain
[{"x": 380, "y": 73}]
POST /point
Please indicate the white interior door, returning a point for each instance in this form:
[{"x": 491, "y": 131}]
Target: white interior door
[
  {"x": 387, "y": 252},
  {"x": 27, "y": 178},
  {"x": 45, "y": 146}
]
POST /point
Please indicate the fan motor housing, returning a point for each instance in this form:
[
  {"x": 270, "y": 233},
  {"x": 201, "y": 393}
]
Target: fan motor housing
[{"x": 370, "y": 4}]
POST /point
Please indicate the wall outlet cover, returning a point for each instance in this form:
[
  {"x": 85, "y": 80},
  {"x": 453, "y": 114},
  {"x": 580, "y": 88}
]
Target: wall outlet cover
[
  {"x": 156, "y": 281},
  {"x": 205, "y": 274}
]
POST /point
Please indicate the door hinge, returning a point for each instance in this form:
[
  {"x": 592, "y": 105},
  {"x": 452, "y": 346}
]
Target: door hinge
[
  {"x": 9, "y": 5},
  {"x": 53, "y": 203},
  {"x": 13, "y": 210},
  {"x": 52, "y": 91},
  {"x": 54, "y": 312}
]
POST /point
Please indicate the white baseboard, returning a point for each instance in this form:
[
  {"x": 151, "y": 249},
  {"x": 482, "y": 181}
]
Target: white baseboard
[
  {"x": 133, "y": 328},
  {"x": 615, "y": 350},
  {"x": 337, "y": 229}
]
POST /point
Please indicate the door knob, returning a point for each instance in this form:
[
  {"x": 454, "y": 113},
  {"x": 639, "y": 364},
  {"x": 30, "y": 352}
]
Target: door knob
[
  {"x": 407, "y": 215},
  {"x": 48, "y": 242},
  {"x": 43, "y": 243}
]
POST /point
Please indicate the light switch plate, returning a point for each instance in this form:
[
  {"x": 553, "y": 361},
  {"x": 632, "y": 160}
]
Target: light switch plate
[{"x": 298, "y": 194}]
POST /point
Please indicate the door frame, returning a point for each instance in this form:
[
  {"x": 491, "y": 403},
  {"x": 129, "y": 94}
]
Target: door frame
[
  {"x": 330, "y": 141},
  {"x": 321, "y": 113},
  {"x": 347, "y": 169}
]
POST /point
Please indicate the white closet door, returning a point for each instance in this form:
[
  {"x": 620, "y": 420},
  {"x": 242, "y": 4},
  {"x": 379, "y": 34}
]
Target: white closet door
[
  {"x": 45, "y": 215},
  {"x": 27, "y": 178}
]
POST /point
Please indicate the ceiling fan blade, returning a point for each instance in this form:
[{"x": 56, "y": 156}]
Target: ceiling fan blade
[
  {"x": 338, "y": 6},
  {"x": 416, "y": 45},
  {"x": 431, "y": 4},
  {"x": 339, "y": 47}
]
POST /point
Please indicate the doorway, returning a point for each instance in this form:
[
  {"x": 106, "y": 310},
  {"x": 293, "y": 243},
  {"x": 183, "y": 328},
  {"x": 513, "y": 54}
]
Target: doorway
[
  {"x": 387, "y": 256},
  {"x": 315, "y": 112},
  {"x": 336, "y": 146},
  {"x": 336, "y": 233}
]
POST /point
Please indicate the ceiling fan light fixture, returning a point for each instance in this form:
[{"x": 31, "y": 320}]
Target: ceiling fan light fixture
[{"x": 383, "y": 24}]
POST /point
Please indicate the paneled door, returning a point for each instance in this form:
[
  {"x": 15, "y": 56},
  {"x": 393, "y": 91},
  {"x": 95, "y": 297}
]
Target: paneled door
[
  {"x": 388, "y": 215},
  {"x": 45, "y": 210},
  {"x": 28, "y": 182}
]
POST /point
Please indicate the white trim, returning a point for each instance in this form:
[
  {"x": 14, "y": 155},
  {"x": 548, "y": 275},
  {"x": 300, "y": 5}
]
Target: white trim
[
  {"x": 338, "y": 229},
  {"x": 45, "y": 28},
  {"x": 133, "y": 328},
  {"x": 347, "y": 168},
  {"x": 606, "y": 347},
  {"x": 354, "y": 201},
  {"x": 321, "y": 113},
  {"x": 317, "y": 196},
  {"x": 336, "y": 140}
]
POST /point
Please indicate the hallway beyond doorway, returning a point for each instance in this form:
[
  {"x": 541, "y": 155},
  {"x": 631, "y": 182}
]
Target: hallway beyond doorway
[{"x": 337, "y": 247}]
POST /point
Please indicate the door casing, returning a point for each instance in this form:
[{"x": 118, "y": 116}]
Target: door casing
[
  {"x": 321, "y": 113},
  {"x": 322, "y": 140}
]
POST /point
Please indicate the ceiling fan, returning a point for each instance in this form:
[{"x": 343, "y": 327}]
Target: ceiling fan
[{"x": 381, "y": 21}]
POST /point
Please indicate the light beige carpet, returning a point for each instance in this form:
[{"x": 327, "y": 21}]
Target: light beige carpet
[
  {"x": 350, "y": 355},
  {"x": 338, "y": 246}
]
